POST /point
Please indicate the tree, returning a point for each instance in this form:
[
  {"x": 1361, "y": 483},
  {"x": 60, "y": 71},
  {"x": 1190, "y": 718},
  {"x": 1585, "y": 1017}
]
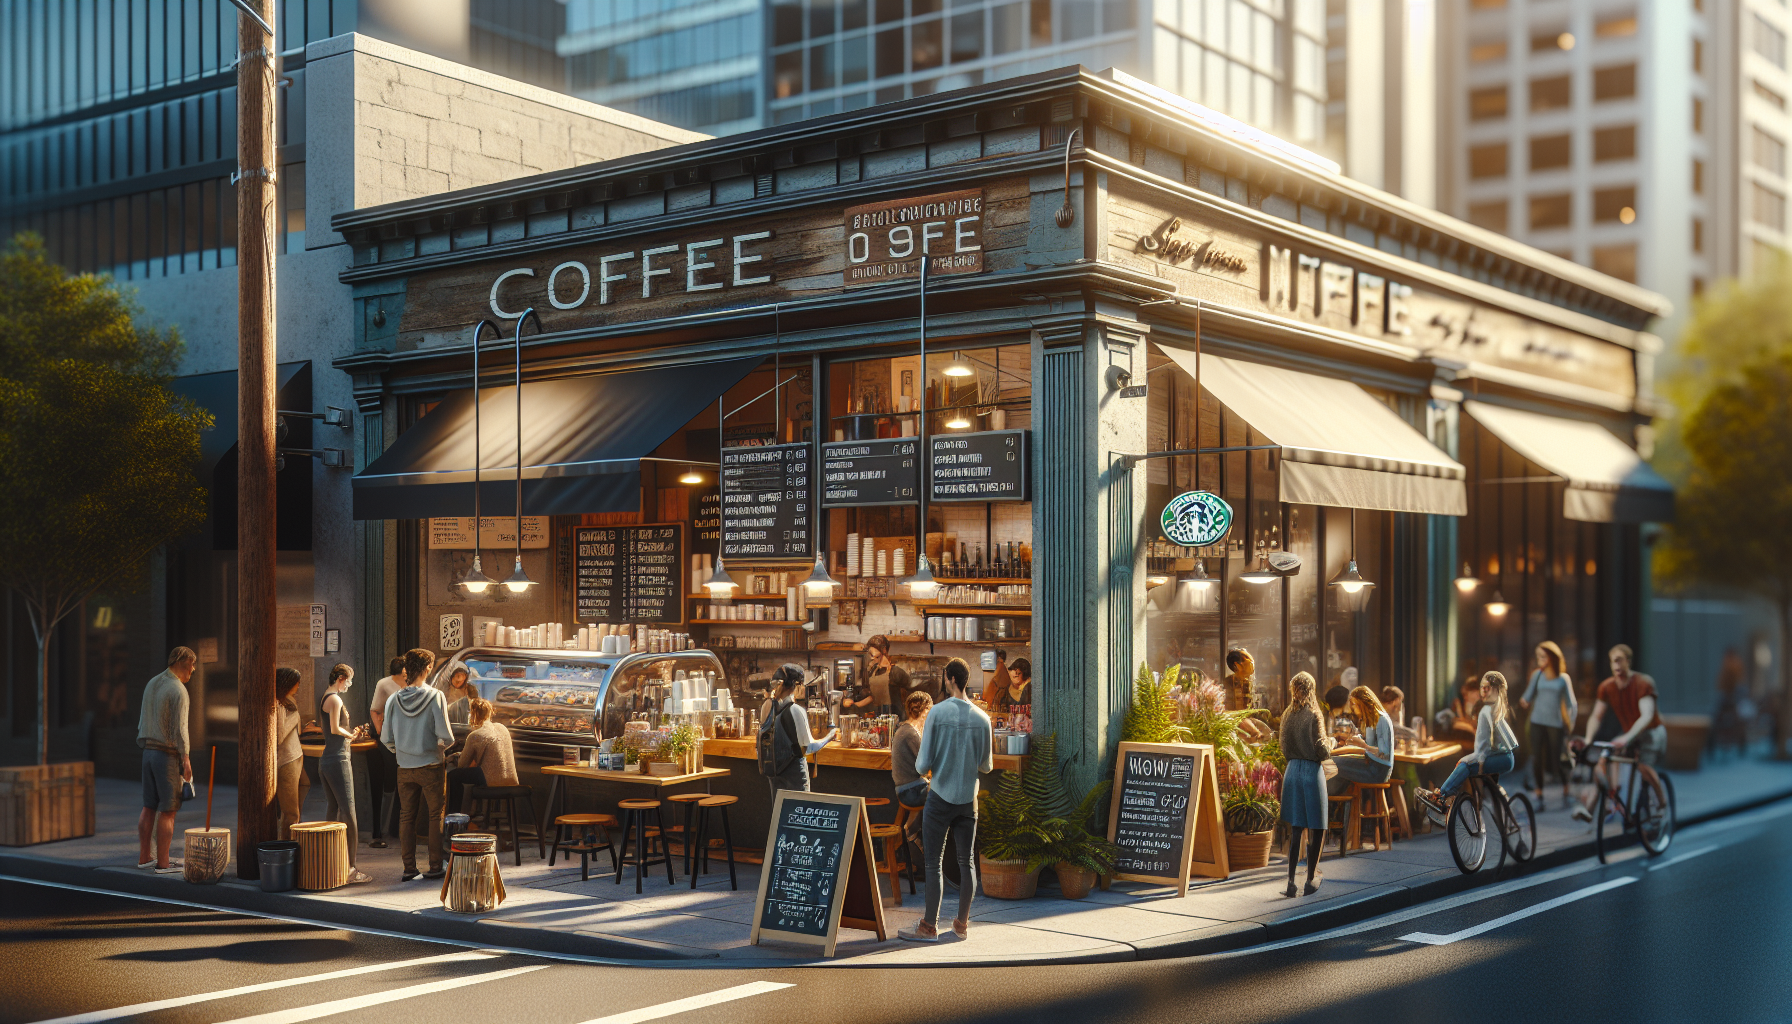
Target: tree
[
  {"x": 97, "y": 457},
  {"x": 1733, "y": 518}
]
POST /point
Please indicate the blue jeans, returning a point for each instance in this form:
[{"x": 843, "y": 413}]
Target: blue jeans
[{"x": 1497, "y": 764}]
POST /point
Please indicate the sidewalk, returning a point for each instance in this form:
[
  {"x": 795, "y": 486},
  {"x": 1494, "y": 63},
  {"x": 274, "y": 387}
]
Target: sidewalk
[{"x": 553, "y": 911}]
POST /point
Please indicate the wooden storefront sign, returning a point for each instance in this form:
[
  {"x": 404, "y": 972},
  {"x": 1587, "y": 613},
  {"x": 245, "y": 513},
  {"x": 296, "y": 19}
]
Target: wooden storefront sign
[
  {"x": 819, "y": 873},
  {"x": 1165, "y": 814}
]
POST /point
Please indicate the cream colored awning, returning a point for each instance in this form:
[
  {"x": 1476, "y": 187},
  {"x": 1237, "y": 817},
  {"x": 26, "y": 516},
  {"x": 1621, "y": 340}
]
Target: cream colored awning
[
  {"x": 1607, "y": 481},
  {"x": 1339, "y": 445}
]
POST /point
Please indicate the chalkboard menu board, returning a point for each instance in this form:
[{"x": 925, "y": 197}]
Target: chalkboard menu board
[
  {"x": 987, "y": 466},
  {"x": 818, "y": 872},
  {"x": 886, "y": 472},
  {"x": 630, "y": 573},
  {"x": 708, "y": 523},
  {"x": 766, "y": 505},
  {"x": 1165, "y": 813}
]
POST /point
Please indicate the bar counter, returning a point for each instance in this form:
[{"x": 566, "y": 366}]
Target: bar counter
[{"x": 873, "y": 759}]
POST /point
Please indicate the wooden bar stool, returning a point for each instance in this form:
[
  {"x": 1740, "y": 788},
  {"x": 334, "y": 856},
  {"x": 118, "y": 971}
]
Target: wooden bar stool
[
  {"x": 1402, "y": 816},
  {"x": 904, "y": 815},
  {"x": 688, "y": 801},
  {"x": 1372, "y": 807},
  {"x": 875, "y": 801},
  {"x": 634, "y": 822},
  {"x": 581, "y": 832},
  {"x": 485, "y": 799},
  {"x": 1348, "y": 798},
  {"x": 704, "y": 805},
  {"x": 893, "y": 837}
]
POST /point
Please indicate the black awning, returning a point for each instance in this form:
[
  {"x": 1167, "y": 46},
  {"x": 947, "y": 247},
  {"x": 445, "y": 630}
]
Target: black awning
[
  {"x": 217, "y": 394},
  {"x": 583, "y": 439}
]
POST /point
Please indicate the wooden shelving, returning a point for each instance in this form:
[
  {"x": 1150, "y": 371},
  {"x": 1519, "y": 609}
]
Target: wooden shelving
[
  {"x": 974, "y": 609},
  {"x": 747, "y": 622}
]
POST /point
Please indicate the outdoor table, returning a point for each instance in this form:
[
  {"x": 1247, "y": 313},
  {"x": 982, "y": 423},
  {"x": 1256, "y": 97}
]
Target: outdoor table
[
  {"x": 578, "y": 771},
  {"x": 1430, "y": 753}
]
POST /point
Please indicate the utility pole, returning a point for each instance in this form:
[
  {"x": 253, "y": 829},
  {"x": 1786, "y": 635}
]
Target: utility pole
[{"x": 256, "y": 216}]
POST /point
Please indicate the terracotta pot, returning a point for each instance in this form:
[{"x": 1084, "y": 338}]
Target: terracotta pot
[
  {"x": 1073, "y": 880},
  {"x": 1247, "y": 850},
  {"x": 1006, "y": 879}
]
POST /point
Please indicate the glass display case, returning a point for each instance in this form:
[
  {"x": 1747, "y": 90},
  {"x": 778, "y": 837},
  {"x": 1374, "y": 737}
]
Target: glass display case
[{"x": 554, "y": 699}]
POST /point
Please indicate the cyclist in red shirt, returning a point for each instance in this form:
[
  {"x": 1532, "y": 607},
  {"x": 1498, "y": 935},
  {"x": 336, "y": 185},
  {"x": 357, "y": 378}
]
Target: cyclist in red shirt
[{"x": 1632, "y": 696}]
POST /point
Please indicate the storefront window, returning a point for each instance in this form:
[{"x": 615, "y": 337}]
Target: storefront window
[
  {"x": 1303, "y": 593},
  {"x": 1353, "y": 622}
]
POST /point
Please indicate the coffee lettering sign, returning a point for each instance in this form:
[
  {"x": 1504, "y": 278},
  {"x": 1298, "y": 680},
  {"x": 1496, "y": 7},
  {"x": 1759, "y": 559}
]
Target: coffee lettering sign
[
  {"x": 710, "y": 264},
  {"x": 885, "y": 241}
]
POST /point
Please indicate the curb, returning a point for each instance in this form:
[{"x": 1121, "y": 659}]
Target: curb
[{"x": 1218, "y": 938}]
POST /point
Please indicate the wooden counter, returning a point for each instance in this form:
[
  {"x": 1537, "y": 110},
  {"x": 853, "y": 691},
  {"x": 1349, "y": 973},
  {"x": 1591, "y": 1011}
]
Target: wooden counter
[{"x": 845, "y": 757}]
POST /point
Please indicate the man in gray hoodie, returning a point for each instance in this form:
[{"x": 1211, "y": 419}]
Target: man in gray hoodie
[{"x": 416, "y": 729}]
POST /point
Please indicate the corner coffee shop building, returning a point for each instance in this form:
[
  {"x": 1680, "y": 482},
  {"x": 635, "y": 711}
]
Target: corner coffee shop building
[{"x": 1455, "y": 412}]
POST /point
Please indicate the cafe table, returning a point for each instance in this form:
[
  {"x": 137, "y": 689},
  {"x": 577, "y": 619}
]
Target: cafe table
[
  {"x": 1425, "y": 754},
  {"x": 357, "y": 747},
  {"x": 556, "y": 772}
]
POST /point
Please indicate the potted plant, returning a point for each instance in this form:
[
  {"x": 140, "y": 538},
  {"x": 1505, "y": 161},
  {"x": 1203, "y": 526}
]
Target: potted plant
[
  {"x": 681, "y": 747},
  {"x": 1015, "y": 840},
  {"x": 1151, "y": 719},
  {"x": 1251, "y": 805},
  {"x": 1081, "y": 855}
]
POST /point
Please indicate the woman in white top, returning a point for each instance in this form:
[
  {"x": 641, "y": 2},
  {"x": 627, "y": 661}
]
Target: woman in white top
[
  {"x": 1494, "y": 744},
  {"x": 1550, "y": 700},
  {"x": 1373, "y": 761}
]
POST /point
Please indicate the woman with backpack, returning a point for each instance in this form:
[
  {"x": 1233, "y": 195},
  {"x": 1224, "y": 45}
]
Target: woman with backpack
[{"x": 784, "y": 738}]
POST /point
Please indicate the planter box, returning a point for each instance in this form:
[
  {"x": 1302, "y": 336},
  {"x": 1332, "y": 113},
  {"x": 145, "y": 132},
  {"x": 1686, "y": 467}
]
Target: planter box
[
  {"x": 1686, "y": 740},
  {"x": 44, "y": 804}
]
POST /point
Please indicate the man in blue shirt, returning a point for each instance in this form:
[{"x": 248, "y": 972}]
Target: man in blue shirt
[{"x": 956, "y": 746}]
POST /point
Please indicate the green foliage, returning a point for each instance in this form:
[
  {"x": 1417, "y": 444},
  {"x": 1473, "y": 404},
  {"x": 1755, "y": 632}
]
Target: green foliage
[
  {"x": 97, "y": 458},
  {"x": 1252, "y": 796},
  {"x": 1207, "y": 723},
  {"x": 1011, "y": 827},
  {"x": 1148, "y": 720},
  {"x": 1080, "y": 836},
  {"x": 1270, "y": 751},
  {"x": 679, "y": 741}
]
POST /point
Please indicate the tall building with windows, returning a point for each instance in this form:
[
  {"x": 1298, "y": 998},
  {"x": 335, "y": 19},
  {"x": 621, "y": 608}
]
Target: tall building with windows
[
  {"x": 698, "y": 64},
  {"x": 1642, "y": 138}
]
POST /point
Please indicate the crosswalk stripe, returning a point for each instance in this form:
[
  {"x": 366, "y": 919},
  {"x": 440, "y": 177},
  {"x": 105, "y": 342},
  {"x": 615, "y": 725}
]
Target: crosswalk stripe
[
  {"x": 335, "y": 1006},
  {"x": 1468, "y": 933},
  {"x": 136, "y": 1009},
  {"x": 726, "y": 995}
]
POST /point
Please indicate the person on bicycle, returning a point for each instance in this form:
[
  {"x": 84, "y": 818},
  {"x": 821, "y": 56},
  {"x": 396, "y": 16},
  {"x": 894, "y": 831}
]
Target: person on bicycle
[
  {"x": 1494, "y": 744},
  {"x": 1632, "y": 695}
]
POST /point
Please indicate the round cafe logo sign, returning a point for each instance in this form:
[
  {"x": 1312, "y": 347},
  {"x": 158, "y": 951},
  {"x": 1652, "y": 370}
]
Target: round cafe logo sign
[{"x": 1196, "y": 519}]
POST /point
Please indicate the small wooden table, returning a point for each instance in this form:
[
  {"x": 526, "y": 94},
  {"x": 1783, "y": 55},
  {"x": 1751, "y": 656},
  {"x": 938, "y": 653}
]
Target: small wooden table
[
  {"x": 556, "y": 772},
  {"x": 1430, "y": 753}
]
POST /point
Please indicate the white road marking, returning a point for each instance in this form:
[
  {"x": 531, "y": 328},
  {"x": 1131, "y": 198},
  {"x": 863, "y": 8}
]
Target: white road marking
[
  {"x": 335, "y": 1006},
  {"x": 726, "y": 995},
  {"x": 1688, "y": 855},
  {"x": 1468, "y": 933},
  {"x": 164, "y": 1004},
  {"x": 577, "y": 958}
]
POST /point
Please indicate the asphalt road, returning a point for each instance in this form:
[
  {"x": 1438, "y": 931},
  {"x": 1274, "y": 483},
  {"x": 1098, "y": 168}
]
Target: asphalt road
[{"x": 1697, "y": 935}]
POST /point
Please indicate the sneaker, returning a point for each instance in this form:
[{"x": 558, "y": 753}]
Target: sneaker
[
  {"x": 377, "y": 844},
  {"x": 916, "y": 935},
  {"x": 173, "y": 868},
  {"x": 146, "y": 865},
  {"x": 409, "y": 873},
  {"x": 359, "y": 877},
  {"x": 962, "y": 929},
  {"x": 1582, "y": 814},
  {"x": 434, "y": 873}
]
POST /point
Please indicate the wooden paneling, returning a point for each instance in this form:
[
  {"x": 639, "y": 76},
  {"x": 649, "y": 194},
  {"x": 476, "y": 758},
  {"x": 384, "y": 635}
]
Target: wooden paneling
[{"x": 44, "y": 804}]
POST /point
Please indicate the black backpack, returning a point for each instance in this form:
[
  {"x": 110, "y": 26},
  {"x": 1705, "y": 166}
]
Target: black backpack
[{"x": 777, "y": 740}]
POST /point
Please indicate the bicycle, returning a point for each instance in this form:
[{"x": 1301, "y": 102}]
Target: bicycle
[
  {"x": 1651, "y": 810},
  {"x": 1484, "y": 802}
]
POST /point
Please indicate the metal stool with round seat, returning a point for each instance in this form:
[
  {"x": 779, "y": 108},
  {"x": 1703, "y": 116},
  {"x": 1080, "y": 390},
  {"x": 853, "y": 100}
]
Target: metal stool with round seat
[
  {"x": 892, "y": 837},
  {"x": 683, "y": 829},
  {"x": 581, "y": 833},
  {"x": 485, "y": 799},
  {"x": 699, "y": 841},
  {"x": 634, "y": 824}
]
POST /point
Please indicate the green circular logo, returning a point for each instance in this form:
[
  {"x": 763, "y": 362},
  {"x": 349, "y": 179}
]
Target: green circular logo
[{"x": 1196, "y": 519}]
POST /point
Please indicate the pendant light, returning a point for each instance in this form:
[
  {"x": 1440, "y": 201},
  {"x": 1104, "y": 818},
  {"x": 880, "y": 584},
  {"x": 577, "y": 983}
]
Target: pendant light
[
  {"x": 921, "y": 585},
  {"x": 519, "y": 581},
  {"x": 1197, "y": 577},
  {"x": 1262, "y": 573},
  {"x": 476, "y": 581},
  {"x": 1498, "y": 607},
  {"x": 1153, "y": 580},
  {"x": 958, "y": 422},
  {"x": 959, "y": 366},
  {"x": 691, "y": 477},
  {"x": 1467, "y": 581},
  {"x": 720, "y": 585},
  {"x": 1350, "y": 581},
  {"x": 818, "y": 589}
]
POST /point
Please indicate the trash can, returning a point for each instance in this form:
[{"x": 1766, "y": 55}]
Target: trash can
[{"x": 279, "y": 863}]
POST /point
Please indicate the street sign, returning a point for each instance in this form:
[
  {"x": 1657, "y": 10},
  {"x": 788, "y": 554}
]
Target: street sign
[{"x": 1197, "y": 519}]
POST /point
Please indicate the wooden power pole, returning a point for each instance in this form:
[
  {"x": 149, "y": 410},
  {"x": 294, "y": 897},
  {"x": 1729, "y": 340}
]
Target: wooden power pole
[{"x": 257, "y": 220}]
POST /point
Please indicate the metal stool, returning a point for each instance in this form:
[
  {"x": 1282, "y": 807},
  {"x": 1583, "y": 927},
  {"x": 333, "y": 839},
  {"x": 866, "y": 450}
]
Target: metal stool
[
  {"x": 580, "y": 832},
  {"x": 634, "y": 820},
  {"x": 484, "y": 797},
  {"x": 704, "y": 805},
  {"x": 1372, "y": 806},
  {"x": 892, "y": 837},
  {"x": 683, "y": 828}
]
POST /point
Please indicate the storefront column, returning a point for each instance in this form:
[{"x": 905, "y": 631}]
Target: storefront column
[
  {"x": 1444, "y": 561},
  {"x": 1089, "y": 607}
]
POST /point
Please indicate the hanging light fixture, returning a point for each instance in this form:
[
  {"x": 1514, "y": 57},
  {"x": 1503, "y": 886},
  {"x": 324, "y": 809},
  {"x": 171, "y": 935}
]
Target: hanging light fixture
[
  {"x": 720, "y": 585},
  {"x": 818, "y": 589},
  {"x": 519, "y": 581},
  {"x": 1153, "y": 580},
  {"x": 476, "y": 581},
  {"x": 922, "y": 586},
  {"x": 1498, "y": 607},
  {"x": 959, "y": 366},
  {"x": 958, "y": 422},
  {"x": 691, "y": 476},
  {"x": 1350, "y": 581},
  {"x": 1261, "y": 574},
  {"x": 1197, "y": 577},
  {"x": 1466, "y": 581}
]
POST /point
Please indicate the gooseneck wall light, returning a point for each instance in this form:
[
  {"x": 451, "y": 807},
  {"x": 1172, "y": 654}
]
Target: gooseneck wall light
[
  {"x": 519, "y": 581},
  {"x": 476, "y": 581},
  {"x": 922, "y": 586}
]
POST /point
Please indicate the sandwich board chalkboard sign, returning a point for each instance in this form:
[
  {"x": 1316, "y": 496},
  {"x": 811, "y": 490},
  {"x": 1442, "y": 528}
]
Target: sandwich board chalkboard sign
[
  {"x": 1165, "y": 814},
  {"x": 818, "y": 873}
]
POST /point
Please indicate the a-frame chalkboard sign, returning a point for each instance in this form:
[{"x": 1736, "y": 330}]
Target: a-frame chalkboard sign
[
  {"x": 819, "y": 872},
  {"x": 1165, "y": 814}
]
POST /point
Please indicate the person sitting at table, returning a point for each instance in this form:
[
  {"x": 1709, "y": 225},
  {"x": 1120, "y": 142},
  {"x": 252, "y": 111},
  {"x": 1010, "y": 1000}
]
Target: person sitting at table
[
  {"x": 1337, "y": 703},
  {"x": 1393, "y": 700},
  {"x": 1459, "y": 717},
  {"x": 486, "y": 758},
  {"x": 1373, "y": 759},
  {"x": 458, "y": 692},
  {"x": 1019, "y": 691},
  {"x": 785, "y": 723},
  {"x": 905, "y": 743}
]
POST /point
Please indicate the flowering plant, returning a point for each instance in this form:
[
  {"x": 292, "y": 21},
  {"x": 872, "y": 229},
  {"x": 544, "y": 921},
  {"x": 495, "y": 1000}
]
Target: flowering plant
[{"x": 1252, "y": 796}]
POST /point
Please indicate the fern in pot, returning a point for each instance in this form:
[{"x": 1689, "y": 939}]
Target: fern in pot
[
  {"x": 1015, "y": 839},
  {"x": 1080, "y": 853}
]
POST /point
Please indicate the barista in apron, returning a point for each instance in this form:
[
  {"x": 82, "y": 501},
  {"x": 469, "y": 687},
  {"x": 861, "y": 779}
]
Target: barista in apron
[{"x": 889, "y": 683}]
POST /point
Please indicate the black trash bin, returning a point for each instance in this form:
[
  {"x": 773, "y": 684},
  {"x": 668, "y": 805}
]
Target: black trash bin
[{"x": 279, "y": 865}]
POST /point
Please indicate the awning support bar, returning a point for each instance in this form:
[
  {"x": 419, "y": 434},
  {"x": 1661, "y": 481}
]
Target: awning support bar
[{"x": 1129, "y": 459}]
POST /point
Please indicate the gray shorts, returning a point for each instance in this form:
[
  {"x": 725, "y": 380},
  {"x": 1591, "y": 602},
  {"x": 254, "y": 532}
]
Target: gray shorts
[{"x": 161, "y": 780}]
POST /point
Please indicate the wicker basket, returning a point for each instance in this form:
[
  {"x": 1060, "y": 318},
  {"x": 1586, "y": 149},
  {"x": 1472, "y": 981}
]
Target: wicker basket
[
  {"x": 206, "y": 855},
  {"x": 1006, "y": 879},
  {"x": 1247, "y": 850}
]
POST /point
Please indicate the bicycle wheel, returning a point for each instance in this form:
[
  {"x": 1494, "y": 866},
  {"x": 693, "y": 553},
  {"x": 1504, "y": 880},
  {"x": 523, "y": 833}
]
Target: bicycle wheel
[
  {"x": 1520, "y": 828},
  {"x": 1655, "y": 817},
  {"x": 1599, "y": 824},
  {"x": 1468, "y": 833}
]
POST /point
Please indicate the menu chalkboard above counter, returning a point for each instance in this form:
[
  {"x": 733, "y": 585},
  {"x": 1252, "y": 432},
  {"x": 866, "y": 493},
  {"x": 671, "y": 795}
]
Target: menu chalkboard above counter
[
  {"x": 1165, "y": 813},
  {"x": 767, "y": 509},
  {"x": 630, "y": 574},
  {"x": 987, "y": 466},
  {"x": 818, "y": 872},
  {"x": 859, "y": 473}
]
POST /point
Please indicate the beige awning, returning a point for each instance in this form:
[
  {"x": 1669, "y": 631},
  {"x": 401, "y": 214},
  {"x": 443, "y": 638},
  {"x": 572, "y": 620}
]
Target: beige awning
[
  {"x": 1340, "y": 446},
  {"x": 1607, "y": 481}
]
